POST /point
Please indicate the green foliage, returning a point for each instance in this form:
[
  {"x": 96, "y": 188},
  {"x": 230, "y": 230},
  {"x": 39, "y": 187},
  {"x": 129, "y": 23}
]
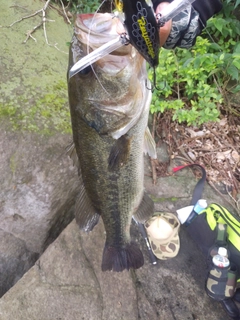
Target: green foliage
[
  {"x": 193, "y": 82},
  {"x": 83, "y": 6},
  {"x": 183, "y": 76}
]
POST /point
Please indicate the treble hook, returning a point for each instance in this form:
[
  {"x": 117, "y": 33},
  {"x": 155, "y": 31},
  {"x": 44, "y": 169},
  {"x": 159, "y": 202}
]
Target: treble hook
[{"x": 154, "y": 85}]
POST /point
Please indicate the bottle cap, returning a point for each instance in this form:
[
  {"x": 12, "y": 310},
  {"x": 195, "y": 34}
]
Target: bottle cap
[
  {"x": 222, "y": 251},
  {"x": 202, "y": 203}
]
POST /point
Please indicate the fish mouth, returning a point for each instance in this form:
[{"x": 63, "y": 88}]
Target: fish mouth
[
  {"x": 97, "y": 29},
  {"x": 99, "y": 35}
]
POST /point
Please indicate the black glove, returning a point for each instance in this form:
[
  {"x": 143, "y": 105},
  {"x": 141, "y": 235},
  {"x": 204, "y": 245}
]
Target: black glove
[{"x": 206, "y": 9}]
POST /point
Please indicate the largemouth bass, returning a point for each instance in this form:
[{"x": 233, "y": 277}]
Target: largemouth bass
[{"x": 109, "y": 105}]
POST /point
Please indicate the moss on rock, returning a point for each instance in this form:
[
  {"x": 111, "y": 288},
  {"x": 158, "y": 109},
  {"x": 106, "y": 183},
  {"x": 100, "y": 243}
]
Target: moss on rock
[{"x": 34, "y": 90}]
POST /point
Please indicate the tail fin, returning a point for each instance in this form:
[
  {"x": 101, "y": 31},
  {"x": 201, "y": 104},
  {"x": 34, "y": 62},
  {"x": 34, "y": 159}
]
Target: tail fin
[{"x": 120, "y": 258}]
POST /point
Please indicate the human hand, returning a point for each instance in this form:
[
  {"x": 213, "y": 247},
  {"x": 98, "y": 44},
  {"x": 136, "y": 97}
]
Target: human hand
[{"x": 165, "y": 30}]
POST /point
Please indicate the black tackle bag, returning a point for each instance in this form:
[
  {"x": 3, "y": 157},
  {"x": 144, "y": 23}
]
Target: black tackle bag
[{"x": 214, "y": 227}]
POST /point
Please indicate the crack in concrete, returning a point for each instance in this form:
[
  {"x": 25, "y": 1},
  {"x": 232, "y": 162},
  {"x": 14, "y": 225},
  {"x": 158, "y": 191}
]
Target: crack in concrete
[
  {"x": 91, "y": 267},
  {"x": 137, "y": 286}
]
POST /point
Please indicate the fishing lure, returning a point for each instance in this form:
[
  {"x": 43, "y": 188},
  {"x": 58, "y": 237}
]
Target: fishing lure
[
  {"x": 142, "y": 28},
  {"x": 142, "y": 31}
]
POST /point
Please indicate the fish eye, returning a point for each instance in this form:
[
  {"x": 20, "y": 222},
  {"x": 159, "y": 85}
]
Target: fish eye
[{"x": 85, "y": 71}]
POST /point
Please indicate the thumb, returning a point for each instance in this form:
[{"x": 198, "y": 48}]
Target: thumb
[{"x": 165, "y": 30}]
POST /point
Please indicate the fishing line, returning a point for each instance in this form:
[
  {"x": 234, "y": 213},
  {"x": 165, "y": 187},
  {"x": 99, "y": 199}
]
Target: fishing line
[
  {"x": 208, "y": 33},
  {"x": 88, "y": 40},
  {"x": 90, "y": 28},
  {"x": 154, "y": 85},
  {"x": 205, "y": 28},
  {"x": 211, "y": 38}
]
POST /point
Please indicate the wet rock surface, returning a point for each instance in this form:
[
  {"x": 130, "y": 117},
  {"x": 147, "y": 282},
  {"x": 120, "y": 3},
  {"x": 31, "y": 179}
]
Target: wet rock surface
[
  {"x": 67, "y": 283},
  {"x": 38, "y": 184},
  {"x": 15, "y": 260},
  {"x": 49, "y": 269}
]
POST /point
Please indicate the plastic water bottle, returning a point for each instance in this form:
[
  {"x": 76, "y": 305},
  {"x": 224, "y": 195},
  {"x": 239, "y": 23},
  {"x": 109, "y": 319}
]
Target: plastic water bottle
[
  {"x": 200, "y": 205},
  {"x": 220, "y": 260}
]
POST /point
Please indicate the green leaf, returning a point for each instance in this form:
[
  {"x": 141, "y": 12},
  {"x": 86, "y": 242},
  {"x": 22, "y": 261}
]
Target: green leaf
[
  {"x": 214, "y": 71},
  {"x": 215, "y": 46},
  {"x": 236, "y": 89},
  {"x": 237, "y": 48},
  {"x": 237, "y": 4},
  {"x": 233, "y": 72},
  {"x": 187, "y": 62},
  {"x": 219, "y": 24},
  {"x": 236, "y": 63}
]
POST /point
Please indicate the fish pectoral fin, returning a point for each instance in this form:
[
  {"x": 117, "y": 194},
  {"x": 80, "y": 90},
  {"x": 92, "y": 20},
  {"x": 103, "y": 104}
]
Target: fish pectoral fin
[
  {"x": 85, "y": 214},
  {"x": 119, "y": 152},
  {"x": 121, "y": 258},
  {"x": 149, "y": 144},
  {"x": 145, "y": 209},
  {"x": 72, "y": 153}
]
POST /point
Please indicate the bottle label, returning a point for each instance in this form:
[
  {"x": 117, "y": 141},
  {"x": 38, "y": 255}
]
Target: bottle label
[{"x": 220, "y": 261}]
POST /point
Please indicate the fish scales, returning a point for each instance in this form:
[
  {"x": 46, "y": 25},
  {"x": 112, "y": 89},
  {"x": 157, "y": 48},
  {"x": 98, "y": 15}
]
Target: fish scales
[{"x": 109, "y": 113}]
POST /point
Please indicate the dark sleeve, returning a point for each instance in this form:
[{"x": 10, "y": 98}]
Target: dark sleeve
[{"x": 205, "y": 8}]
